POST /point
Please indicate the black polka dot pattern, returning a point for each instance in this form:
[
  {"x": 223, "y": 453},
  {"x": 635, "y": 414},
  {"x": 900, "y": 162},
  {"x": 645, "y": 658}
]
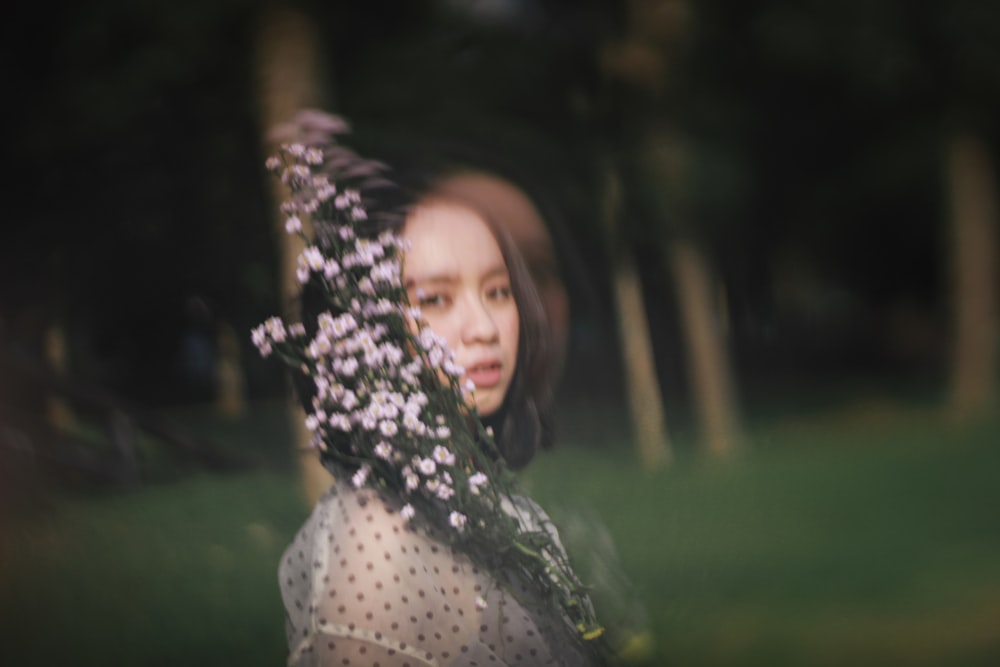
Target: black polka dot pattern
[{"x": 362, "y": 587}]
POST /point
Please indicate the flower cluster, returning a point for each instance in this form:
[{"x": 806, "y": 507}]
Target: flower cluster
[{"x": 385, "y": 403}]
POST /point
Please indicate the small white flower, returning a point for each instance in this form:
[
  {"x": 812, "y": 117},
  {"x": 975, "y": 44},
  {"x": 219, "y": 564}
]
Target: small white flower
[
  {"x": 312, "y": 422},
  {"x": 412, "y": 423},
  {"x": 427, "y": 466},
  {"x": 349, "y": 400},
  {"x": 407, "y": 512},
  {"x": 411, "y": 479},
  {"x": 480, "y": 603},
  {"x": 322, "y": 384},
  {"x": 388, "y": 428},
  {"x": 349, "y": 367},
  {"x": 302, "y": 272},
  {"x": 477, "y": 480},
  {"x": 444, "y": 432},
  {"x": 293, "y": 225},
  {"x": 444, "y": 492},
  {"x": 443, "y": 456},
  {"x": 331, "y": 269},
  {"x": 343, "y": 324},
  {"x": 276, "y": 329},
  {"x": 387, "y": 271},
  {"x": 314, "y": 156},
  {"x": 272, "y": 163},
  {"x": 259, "y": 336},
  {"x": 383, "y": 450},
  {"x": 295, "y": 174},
  {"x": 340, "y": 421},
  {"x": 319, "y": 346},
  {"x": 457, "y": 520},
  {"x": 360, "y": 477},
  {"x": 313, "y": 258},
  {"x": 428, "y": 339}
]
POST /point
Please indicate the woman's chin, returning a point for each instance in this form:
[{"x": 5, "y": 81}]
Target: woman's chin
[{"x": 485, "y": 402}]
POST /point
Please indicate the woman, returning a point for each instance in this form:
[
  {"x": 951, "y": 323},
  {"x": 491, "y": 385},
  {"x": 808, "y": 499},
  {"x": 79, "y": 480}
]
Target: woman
[{"x": 365, "y": 582}]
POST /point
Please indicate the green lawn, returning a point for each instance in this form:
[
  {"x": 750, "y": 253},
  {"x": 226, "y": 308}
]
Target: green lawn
[{"x": 832, "y": 543}]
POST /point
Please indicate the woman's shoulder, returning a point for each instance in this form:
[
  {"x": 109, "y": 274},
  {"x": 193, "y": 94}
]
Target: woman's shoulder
[
  {"x": 364, "y": 528},
  {"x": 360, "y": 570},
  {"x": 356, "y": 506},
  {"x": 344, "y": 512}
]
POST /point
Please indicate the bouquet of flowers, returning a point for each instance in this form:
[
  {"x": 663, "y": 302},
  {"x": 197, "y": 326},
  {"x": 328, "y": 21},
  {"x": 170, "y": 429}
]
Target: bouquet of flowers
[{"x": 386, "y": 399}]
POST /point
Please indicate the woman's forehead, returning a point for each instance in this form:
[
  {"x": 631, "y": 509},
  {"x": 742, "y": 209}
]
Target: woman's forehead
[
  {"x": 448, "y": 226},
  {"x": 447, "y": 242}
]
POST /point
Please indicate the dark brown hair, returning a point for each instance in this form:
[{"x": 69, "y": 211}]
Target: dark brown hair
[{"x": 523, "y": 423}]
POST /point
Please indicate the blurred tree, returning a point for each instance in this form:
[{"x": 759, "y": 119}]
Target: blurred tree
[
  {"x": 644, "y": 396},
  {"x": 136, "y": 147},
  {"x": 904, "y": 84},
  {"x": 975, "y": 244},
  {"x": 649, "y": 58},
  {"x": 291, "y": 75}
]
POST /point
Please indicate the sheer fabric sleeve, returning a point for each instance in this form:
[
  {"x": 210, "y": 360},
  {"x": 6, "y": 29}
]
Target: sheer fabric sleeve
[{"x": 361, "y": 587}]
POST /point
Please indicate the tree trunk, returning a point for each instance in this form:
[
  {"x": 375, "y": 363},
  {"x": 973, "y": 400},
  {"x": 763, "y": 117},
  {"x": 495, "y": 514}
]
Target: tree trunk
[
  {"x": 58, "y": 412},
  {"x": 708, "y": 360},
  {"x": 230, "y": 382},
  {"x": 666, "y": 158},
  {"x": 642, "y": 385},
  {"x": 290, "y": 78},
  {"x": 974, "y": 247}
]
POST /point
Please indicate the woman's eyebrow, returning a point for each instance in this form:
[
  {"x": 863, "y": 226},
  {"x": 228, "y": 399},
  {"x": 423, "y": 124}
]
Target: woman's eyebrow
[
  {"x": 498, "y": 270},
  {"x": 433, "y": 279}
]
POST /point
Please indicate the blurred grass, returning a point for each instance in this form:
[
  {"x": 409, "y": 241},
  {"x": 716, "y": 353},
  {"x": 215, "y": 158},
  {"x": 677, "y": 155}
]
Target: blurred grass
[{"x": 843, "y": 540}]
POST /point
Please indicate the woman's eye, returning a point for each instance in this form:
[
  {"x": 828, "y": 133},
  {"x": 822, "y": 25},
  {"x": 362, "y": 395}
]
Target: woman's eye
[
  {"x": 499, "y": 293},
  {"x": 433, "y": 300}
]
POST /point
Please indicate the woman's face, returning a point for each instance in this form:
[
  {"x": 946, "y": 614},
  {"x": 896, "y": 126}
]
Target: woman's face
[{"x": 454, "y": 270}]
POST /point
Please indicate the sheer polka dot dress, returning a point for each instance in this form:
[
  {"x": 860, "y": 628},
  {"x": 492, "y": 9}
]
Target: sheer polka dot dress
[{"x": 362, "y": 587}]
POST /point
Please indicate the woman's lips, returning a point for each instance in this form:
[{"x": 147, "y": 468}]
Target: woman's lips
[{"x": 484, "y": 375}]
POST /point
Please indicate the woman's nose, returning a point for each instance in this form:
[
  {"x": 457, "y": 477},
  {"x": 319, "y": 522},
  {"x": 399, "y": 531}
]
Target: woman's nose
[{"x": 477, "y": 322}]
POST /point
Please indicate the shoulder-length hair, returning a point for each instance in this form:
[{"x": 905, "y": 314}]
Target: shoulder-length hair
[{"x": 523, "y": 423}]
